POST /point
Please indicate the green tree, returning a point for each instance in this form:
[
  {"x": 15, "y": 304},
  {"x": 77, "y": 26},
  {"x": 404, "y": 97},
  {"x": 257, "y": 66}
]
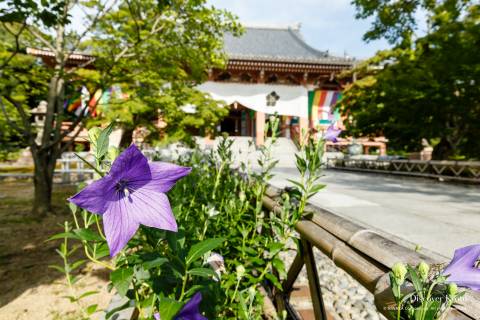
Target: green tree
[
  {"x": 156, "y": 51},
  {"x": 422, "y": 88}
]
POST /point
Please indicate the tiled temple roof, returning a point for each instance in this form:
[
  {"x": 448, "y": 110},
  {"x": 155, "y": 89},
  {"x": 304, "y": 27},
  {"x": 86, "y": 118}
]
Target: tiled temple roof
[{"x": 279, "y": 44}]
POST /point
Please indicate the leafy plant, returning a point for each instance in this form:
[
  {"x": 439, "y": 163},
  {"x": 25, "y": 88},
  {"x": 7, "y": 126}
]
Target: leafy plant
[
  {"x": 429, "y": 298},
  {"x": 226, "y": 246}
]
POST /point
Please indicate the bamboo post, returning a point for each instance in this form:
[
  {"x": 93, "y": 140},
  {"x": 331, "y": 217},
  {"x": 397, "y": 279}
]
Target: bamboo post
[{"x": 313, "y": 281}]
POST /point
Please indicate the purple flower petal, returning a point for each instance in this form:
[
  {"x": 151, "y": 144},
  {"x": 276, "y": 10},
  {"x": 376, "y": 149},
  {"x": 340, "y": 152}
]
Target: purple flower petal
[
  {"x": 190, "y": 310},
  {"x": 132, "y": 193},
  {"x": 462, "y": 269},
  {"x": 131, "y": 165},
  {"x": 151, "y": 209},
  {"x": 331, "y": 134},
  {"x": 156, "y": 316},
  {"x": 93, "y": 196},
  {"x": 163, "y": 176},
  {"x": 119, "y": 225}
]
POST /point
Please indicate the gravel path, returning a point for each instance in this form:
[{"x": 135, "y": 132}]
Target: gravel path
[{"x": 342, "y": 294}]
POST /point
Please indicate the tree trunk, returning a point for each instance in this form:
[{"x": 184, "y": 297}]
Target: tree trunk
[
  {"x": 43, "y": 182},
  {"x": 126, "y": 140}
]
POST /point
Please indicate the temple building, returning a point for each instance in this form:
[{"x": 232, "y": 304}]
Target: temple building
[{"x": 272, "y": 70}]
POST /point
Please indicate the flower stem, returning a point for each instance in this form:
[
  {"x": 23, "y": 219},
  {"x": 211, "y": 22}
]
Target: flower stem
[
  {"x": 99, "y": 229},
  {"x": 104, "y": 264},
  {"x": 236, "y": 290},
  {"x": 184, "y": 285}
]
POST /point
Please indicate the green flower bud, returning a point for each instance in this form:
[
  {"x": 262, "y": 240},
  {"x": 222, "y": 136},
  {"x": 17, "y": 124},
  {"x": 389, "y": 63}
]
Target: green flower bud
[
  {"x": 423, "y": 270},
  {"x": 452, "y": 290},
  {"x": 252, "y": 291},
  {"x": 399, "y": 272},
  {"x": 242, "y": 196},
  {"x": 93, "y": 135},
  {"x": 240, "y": 271}
]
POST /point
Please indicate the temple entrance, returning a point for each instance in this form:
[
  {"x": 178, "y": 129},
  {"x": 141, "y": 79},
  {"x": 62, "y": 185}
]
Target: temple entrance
[
  {"x": 242, "y": 121},
  {"x": 239, "y": 122}
]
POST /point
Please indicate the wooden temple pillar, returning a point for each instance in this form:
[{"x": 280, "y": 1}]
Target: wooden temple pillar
[
  {"x": 260, "y": 118},
  {"x": 259, "y": 128}
]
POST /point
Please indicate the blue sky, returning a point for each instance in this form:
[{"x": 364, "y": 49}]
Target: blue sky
[{"x": 325, "y": 24}]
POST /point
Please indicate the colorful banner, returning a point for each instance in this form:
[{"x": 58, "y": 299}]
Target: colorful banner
[
  {"x": 80, "y": 100},
  {"x": 321, "y": 103}
]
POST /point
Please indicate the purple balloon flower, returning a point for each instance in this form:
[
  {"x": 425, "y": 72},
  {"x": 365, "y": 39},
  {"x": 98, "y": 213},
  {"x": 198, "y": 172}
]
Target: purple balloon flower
[
  {"x": 331, "y": 134},
  {"x": 190, "y": 311},
  {"x": 462, "y": 270},
  {"x": 132, "y": 193}
]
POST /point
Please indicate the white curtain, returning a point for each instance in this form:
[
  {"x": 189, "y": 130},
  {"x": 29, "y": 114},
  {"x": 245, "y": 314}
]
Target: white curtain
[{"x": 292, "y": 101}]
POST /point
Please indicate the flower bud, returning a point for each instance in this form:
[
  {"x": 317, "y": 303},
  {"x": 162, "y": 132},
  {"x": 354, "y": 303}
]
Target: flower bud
[
  {"x": 242, "y": 196},
  {"x": 423, "y": 270},
  {"x": 399, "y": 271},
  {"x": 452, "y": 290},
  {"x": 240, "y": 271}
]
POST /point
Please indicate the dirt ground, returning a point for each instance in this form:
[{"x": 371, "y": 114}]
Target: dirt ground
[{"x": 29, "y": 289}]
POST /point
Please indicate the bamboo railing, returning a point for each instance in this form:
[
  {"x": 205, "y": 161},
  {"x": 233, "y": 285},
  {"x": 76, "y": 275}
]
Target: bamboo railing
[
  {"x": 363, "y": 253},
  {"x": 464, "y": 171}
]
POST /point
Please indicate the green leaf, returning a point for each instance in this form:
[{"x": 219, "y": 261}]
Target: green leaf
[
  {"x": 87, "y": 235},
  {"x": 274, "y": 280},
  {"x": 127, "y": 304},
  {"x": 141, "y": 273},
  {"x": 279, "y": 265},
  {"x": 154, "y": 263},
  {"x": 301, "y": 163},
  {"x": 298, "y": 184},
  {"x": 73, "y": 207},
  {"x": 275, "y": 248},
  {"x": 72, "y": 299},
  {"x": 58, "y": 268},
  {"x": 121, "y": 279},
  {"x": 202, "y": 272},
  {"x": 63, "y": 235},
  {"x": 103, "y": 141},
  {"x": 193, "y": 289},
  {"x": 417, "y": 283},
  {"x": 77, "y": 264},
  {"x": 199, "y": 249},
  {"x": 168, "y": 308},
  {"x": 88, "y": 293},
  {"x": 91, "y": 309},
  {"x": 243, "y": 311},
  {"x": 317, "y": 188},
  {"x": 432, "y": 308},
  {"x": 102, "y": 250}
]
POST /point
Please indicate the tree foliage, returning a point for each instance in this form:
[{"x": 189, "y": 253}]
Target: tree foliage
[
  {"x": 428, "y": 89},
  {"x": 155, "y": 51}
]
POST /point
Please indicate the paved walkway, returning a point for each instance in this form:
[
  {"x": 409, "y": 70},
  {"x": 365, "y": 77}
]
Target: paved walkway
[{"x": 437, "y": 216}]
